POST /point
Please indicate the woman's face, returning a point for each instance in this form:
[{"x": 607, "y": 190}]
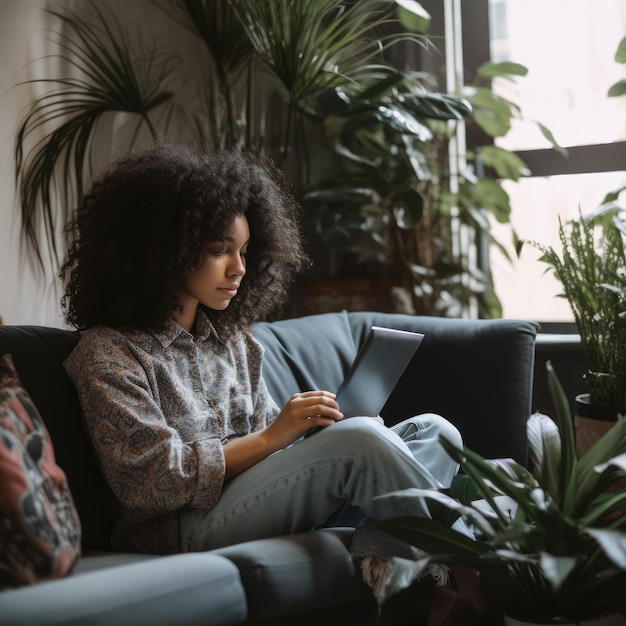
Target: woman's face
[{"x": 215, "y": 283}]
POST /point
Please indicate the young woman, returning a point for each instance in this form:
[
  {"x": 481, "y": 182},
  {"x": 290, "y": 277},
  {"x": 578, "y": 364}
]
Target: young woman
[{"x": 171, "y": 257}]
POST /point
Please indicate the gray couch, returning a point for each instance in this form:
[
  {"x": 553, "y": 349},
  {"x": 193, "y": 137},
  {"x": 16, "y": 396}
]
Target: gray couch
[{"x": 477, "y": 373}]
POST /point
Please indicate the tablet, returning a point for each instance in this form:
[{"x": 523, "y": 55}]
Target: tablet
[{"x": 376, "y": 370}]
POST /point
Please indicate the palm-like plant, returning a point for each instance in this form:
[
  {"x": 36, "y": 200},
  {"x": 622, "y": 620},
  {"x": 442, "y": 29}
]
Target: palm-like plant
[
  {"x": 263, "y": 58},
  {"x": 550, "y": 541},
  {"x": 108, "y": 80}
]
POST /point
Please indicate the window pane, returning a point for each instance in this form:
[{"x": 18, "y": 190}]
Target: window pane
[
  {"x": 569, "y": 48},
  {"x": 525, "y": 290}
]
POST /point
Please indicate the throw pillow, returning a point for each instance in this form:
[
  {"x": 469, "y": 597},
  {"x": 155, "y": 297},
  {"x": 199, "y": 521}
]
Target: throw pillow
[{"x": 39, "y": 526}]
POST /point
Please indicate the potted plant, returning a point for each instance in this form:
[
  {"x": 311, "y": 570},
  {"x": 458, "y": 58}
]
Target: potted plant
[
  {"x": 591, "y": 269},
  {"x": 261, "y": 66},
  {"x": 548, "y": 547}
]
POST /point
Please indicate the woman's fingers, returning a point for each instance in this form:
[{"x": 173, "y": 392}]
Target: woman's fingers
[
  {"x": 315, "y": 394},
  {"x": 313, "y": 405}
]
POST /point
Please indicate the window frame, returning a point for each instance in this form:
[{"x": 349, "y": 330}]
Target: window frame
[{"x": 544, "y": 162}]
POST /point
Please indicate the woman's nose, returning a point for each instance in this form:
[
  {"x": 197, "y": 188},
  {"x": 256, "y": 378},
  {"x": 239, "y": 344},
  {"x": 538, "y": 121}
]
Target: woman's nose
[{"x": 238, "y": 266}]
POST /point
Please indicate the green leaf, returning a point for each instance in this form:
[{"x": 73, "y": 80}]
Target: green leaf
[
  {"x": 482, "y": 98},
  {"x": 462, "y": 488},
  {"x": 620, "y": 54},
  {"x": 402, "y": 122},
  {"x": 320, "y": 46},
  {"x": 617, "y": 461},
  {"x": 618, "y": 89},
  {"x": 413, "y": 15},
  {"x": 557, "y": 568},
  {"x": 569, "y": 458},
  {"x": 544, "y": 447},
  {"x": 104, "y": 78},
  {"x": 553, "y": 142},
  {"x": 613, "y": 544},
  {"x": 601, "y": 508},
  {"x": 486, "y": 476},
  {"x": 436, "y": 105},
  {"x": 505, "y": 69},
  {"x": 493, "y": 124},
  {"x": 489, "y": 195},
  {"x": 506, "y": 164},
  {"x": 439, "y": 505},
  {"x": 344, "y": 195},
  {"x": 433, "y": 536},
  {"x": 381, "y": 87},
  {"x": 612, "y": 196}
]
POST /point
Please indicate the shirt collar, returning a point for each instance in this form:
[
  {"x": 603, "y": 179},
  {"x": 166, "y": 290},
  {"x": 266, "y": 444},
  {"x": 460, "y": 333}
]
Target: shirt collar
[{"x": 171, "y": 330}]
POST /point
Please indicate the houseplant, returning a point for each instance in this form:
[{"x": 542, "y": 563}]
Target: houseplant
[
  {"x": 390, "y": 208},
  {"x": 256, "y": 81},
  {"x": 261, "y": 66},
  {"x": 591, "y": 268},
  {"x": 548, "y": 547}
]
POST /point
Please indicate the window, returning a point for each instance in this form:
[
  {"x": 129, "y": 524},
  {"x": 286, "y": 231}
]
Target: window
[{"x": 568, "y": 47}]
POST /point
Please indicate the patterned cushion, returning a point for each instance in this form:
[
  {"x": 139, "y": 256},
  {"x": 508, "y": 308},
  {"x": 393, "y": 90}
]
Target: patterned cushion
[{"x": 39, "y": 526}]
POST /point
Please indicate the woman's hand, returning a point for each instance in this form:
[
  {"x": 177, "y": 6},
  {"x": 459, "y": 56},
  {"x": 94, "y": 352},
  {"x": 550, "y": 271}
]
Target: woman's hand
[{"x": 302, "y": 412}]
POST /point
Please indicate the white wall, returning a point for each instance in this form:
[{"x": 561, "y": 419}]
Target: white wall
[{"x": 26, "y": 297}]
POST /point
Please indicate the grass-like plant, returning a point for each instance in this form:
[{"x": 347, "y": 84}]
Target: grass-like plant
[
  {"x": 550, "y": 541},
  {"x": 592, "y": 269}
]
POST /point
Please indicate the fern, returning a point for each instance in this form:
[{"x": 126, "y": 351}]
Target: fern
[{"x": 592, "y": 271}]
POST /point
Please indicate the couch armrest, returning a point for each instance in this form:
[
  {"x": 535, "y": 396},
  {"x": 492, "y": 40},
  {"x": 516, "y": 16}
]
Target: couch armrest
[{"x": 194, "y": 588}]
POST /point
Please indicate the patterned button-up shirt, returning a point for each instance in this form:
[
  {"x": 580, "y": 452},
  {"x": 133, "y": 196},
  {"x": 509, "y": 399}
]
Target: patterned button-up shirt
[{"x": 158, "y": 408}]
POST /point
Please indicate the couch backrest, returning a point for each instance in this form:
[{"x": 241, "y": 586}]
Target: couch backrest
[{"x": 476, "y": 373}]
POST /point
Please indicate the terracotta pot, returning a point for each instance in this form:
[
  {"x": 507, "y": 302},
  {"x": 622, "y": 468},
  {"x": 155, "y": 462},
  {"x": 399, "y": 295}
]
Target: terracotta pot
[
  {"x": 606, "y": 620},
  {"x": 592, "y": 421}
]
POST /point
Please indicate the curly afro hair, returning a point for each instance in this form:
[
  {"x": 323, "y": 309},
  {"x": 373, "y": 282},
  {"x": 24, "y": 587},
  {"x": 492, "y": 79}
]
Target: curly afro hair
[{"x": 146, "y": 220}]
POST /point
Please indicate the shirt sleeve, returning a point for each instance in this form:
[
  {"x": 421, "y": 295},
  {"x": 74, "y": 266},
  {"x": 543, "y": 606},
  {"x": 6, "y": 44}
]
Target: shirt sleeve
[
  {"x": 265, "y": 407},
  {"x": 145, "y": 462}
]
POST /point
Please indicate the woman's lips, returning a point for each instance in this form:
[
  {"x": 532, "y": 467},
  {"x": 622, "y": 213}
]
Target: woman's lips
[{"x": 231, "y": 292}]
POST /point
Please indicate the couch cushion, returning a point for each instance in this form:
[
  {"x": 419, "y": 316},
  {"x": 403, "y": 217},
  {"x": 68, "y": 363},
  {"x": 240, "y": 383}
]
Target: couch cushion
[
  {"x": 305, "y": 353},
  {"x": 40, "y": 530},
  {"x": 301, "y": 572},
  {"x": 183, "y": 589}
]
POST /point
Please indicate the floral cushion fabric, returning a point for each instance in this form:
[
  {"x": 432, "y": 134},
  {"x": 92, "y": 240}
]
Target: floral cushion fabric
[{"x": 39, "y": 526}]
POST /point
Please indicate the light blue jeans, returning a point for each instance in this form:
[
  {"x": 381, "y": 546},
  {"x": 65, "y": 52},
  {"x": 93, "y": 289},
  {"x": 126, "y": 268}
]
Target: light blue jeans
[{"x": 324, "y": 480}]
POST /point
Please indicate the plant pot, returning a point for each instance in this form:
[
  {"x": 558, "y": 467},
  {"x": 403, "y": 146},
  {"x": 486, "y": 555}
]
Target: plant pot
[
  {"x": 322, "y": 295},
  {"x": 605, "y": 620},
  {"x": 592, "y": 421}
]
